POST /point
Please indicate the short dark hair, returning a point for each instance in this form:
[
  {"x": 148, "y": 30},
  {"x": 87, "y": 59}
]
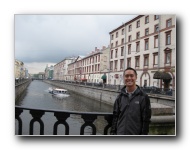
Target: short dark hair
[{"x": 129, "y": 68}]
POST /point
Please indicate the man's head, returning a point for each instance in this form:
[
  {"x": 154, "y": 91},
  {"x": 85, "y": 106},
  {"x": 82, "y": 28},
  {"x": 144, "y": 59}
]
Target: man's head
[{"x": 130, "y": 77}]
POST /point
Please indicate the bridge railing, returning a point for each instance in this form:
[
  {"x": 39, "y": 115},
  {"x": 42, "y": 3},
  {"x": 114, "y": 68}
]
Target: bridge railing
[
  {"x": 61, "y": 118},
  {"x": 160, "y": 125}
]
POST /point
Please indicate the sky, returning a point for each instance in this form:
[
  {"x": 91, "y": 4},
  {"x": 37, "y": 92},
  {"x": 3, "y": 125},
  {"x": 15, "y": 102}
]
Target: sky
[{"x": 42, "y": 40}]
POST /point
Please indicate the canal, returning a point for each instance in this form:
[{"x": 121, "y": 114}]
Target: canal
[{"x": 37, "y": 96}]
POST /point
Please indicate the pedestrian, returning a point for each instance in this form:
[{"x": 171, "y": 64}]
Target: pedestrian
[{"x": 132, "y": 110}]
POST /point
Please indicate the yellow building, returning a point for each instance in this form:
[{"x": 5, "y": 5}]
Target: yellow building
[{"x": 19, "y": 69}]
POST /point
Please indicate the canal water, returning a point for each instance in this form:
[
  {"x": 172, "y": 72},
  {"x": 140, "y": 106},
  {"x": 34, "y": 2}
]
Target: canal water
[{"x": 37, "y": 96}]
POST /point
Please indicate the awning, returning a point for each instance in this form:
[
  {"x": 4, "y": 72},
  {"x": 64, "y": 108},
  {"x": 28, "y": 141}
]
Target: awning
[
  {"x": 162, "y": 75},
  {"x": 104, "y": 77},
  {"x": 84, "y": 79}
]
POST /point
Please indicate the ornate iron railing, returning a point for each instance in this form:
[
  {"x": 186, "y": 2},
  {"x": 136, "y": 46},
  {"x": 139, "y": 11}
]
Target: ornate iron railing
[{"x": 61, "y": 116}]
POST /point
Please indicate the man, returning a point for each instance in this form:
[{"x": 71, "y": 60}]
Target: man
[{"x": 132, "y": 111}]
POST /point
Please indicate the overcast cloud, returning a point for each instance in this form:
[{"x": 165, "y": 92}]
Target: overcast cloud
[{"x": 48, "y": 39}]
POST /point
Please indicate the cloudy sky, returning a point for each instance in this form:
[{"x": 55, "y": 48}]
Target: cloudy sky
[{"x": 48, "y": 39}]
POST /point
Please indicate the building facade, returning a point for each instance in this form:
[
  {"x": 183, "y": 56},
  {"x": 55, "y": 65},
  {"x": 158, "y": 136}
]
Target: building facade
[
  {"x": 89, "y": 68},
  {"x": 49, "y": 72},
  {"x": 61, "y": 69},
  {"x": 19, "y": 69},
  {"x": 146, "y": 43}
]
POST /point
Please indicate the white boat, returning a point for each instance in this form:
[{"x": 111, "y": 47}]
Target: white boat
[{"x": 58, "y": 92}]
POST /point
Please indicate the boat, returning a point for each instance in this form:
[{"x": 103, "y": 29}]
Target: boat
[{"x": 58, "y": 92}]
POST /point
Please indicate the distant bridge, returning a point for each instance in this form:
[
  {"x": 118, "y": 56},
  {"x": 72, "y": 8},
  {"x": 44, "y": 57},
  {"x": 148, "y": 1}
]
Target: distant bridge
[{"x": 39, "y": 76}]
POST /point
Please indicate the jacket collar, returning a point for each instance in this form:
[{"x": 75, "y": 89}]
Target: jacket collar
[{"x": 137, "y": 91}]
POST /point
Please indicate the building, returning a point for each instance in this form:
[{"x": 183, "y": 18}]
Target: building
[
  {"x": 27, "y": 75},
  {"x": 61, "y": 69},
  {"x": 49, "y": 72},
  {"x": 92, "y": 67},
  {"x": 75, "y": 69},
  {"x": 19, "y": 69},
  {"x": 146, "y": 43}
]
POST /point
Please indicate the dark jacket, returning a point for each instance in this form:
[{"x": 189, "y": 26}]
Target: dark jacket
[{"x": 131, "y": 116}]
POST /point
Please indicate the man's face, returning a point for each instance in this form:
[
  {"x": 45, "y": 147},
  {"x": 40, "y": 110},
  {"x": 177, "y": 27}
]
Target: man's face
[{"x": 130, "y": 78}]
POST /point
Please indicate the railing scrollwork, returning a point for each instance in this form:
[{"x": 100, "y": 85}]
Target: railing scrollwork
[{"x": 61, "y": 116}]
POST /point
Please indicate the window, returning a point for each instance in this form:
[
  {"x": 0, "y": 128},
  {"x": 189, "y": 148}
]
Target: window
[
  {"x": 129, "y": 38},
  {"x": 146, "y": 19},
  {"x": 168, "y": 58},
  {"x": 168, "y": 23},
  {"x": 115, "y": 62},
  {"x": 138, "y": 35},
  {"x": 156, "y": 41},
  {"x": 122, "y": 50},
  {"x": 116, "y": 43},
  {"x": 130, "y": 28},
  {"x": 111, "y": 54},
  {"x": 156, "y": 17},
  {"x": 122, "y": 41},
  {"x": 145, "y": 83},
  {"x": 155, "y": 58},
  {"x": 111, "y": 45},
  {"x": 116, "y": 53},
  {"x": 156, "y": 28},
  {"x": 129, "y": 49},
  {"x": 146, "y": 44},
  {"x": 111, "y": 65},
  {"x": 122, "y": 31},
  {"x": 128, "y": 62},
  {"x": 93, "y": 59},
  {"x": 116, "y": 34},
  {"x": 146, "y": 58},
  {"x": 121, "y": 64},
  {"x": 168, "y": 38},
  {"x": 146, "y": 31},
  {"x": 137, "y": 46},
  {"x": 138, "y": 23},
  {"x": 137, "y": 61},
  {"x": 168, "y": 55}
]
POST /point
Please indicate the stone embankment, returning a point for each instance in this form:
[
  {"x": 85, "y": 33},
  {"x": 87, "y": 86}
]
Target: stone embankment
[
  {"x": 160, "y": 105},
  {"x": 20, "y": 88}
]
